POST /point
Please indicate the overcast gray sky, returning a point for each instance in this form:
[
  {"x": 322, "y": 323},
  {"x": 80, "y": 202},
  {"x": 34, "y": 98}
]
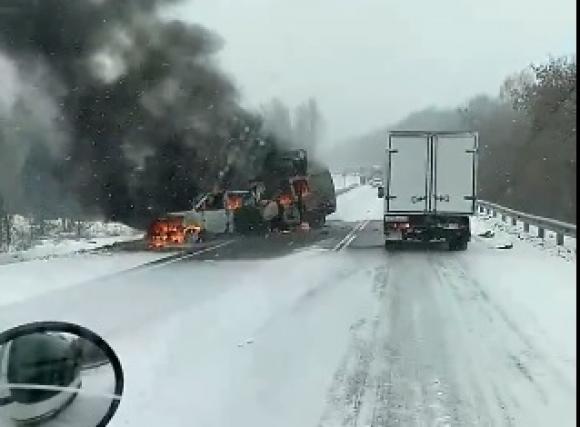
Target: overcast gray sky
[{"x": 370, "y": 62}]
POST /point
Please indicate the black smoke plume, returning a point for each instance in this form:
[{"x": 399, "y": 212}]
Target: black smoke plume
[{"x": 149, "y": 120}]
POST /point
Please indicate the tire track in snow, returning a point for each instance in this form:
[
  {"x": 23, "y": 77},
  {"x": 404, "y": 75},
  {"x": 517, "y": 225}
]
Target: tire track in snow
[
  {"x": 438, "y": 351},
  {"x": 387, "y": 377},
  {"x": 503, "y": 350},
  {"x": 300, "y": 302},
  {"x": 351, "y": 380},
  {"x": 508, "y": 418},
  {"x": 531, "y": 351},
  {"x": 477, "y": 402},
  {"x": 421, "y": 389}
]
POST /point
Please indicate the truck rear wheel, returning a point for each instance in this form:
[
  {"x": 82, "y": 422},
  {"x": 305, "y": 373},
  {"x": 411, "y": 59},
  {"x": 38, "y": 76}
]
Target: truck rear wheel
[
  {"x": 458, "y": 244},
  {"x": 315, "y": 220}
]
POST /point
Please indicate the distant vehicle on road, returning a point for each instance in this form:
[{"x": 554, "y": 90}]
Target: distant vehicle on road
[
  {"x": 376, "y": 182},
  {"x": 430, "y": 190}
]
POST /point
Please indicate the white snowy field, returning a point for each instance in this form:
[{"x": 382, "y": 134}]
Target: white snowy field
[
  {"x": 324, "y": 338},
  {"x": 62, "y": 247},
  {"x": 94, "y": 235}
]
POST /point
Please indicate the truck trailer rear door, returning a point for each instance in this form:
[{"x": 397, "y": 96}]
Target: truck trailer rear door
[
  {"x": 407, "y": 173},
  {"x": 454, "y": 171}
]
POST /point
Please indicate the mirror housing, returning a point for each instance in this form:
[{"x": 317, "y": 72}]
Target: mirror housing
[
  {"x": 57, "y": 372},
  {"x": 381, "y": 192}
]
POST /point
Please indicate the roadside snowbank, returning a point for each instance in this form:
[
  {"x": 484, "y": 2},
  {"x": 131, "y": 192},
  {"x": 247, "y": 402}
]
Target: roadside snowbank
[
  {"x": 57, "y": 242},
  {"x": 25, "y": 280},
  {"x": 61, "y": 247},
  {"x": 504, "y": 233}
]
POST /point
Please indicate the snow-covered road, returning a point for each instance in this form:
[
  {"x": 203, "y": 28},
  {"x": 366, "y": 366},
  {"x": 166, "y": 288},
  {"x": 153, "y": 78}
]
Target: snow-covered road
[{"x": 320, "y": 337}]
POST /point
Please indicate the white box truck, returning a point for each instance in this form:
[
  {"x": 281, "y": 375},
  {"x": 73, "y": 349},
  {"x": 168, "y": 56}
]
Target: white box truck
[{"x": 429, "y": 187}]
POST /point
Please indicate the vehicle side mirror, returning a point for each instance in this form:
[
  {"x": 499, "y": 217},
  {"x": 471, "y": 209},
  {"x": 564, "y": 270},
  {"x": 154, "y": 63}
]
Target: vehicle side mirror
[
  {"x": 381, "y": 192},
  {"x": 57, "y": 372}
]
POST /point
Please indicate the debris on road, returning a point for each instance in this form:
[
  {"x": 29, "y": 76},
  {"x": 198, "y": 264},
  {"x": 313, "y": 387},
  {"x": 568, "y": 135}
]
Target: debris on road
[
  {"x": 246, "y": 342},
  {"x": 488, "y": 234},
  {"x": 506, "y": 246}
]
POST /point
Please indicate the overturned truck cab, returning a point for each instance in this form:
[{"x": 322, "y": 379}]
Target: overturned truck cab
[
  {"x": 430, "y": 187},
  {"x": 293, "y": 192}
]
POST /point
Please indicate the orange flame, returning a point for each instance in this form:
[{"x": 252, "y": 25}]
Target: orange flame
[
  {"x": 234, "y": 202},
  {"x": 165, "y": 232}
]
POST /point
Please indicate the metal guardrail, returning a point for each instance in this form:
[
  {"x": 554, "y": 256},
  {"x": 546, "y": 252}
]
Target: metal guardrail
[{"x": 559, "y": 227}]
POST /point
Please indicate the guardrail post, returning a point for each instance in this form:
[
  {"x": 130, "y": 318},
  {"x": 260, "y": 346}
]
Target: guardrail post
[
  {"x": 541, "y": 232},
  {"x": 560, "y": 239},
  {"x": 526, "y": 227}
]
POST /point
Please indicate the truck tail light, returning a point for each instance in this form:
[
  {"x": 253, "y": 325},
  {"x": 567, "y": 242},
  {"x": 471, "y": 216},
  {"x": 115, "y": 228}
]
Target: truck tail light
[
  {"x": 397, "y": 222},
  {"x": 396, "y": 219},
  {"x": 398, "y": 225}
]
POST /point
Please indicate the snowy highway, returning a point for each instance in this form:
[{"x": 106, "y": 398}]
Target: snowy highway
[{"x": 323, "y": 328}]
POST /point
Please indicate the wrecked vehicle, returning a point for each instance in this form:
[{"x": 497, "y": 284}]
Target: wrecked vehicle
[
  {"x": 212, "y": 215},
  {"x": 291, "y": 193}
]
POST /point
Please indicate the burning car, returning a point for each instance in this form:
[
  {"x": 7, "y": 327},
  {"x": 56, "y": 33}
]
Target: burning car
[
  {"x": 172, "y": 230},
  {"x": 212, "y": 215}
]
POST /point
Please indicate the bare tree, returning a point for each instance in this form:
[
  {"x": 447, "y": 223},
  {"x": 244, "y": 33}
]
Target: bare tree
[
  {"x": 5, "y": 228},
  {"x": 302, "y": 129},
  {"x": 511, "y": 90}
]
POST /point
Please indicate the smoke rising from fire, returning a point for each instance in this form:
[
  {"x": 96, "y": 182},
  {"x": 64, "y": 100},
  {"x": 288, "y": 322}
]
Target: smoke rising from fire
[{"x": 142, "y": 118}]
